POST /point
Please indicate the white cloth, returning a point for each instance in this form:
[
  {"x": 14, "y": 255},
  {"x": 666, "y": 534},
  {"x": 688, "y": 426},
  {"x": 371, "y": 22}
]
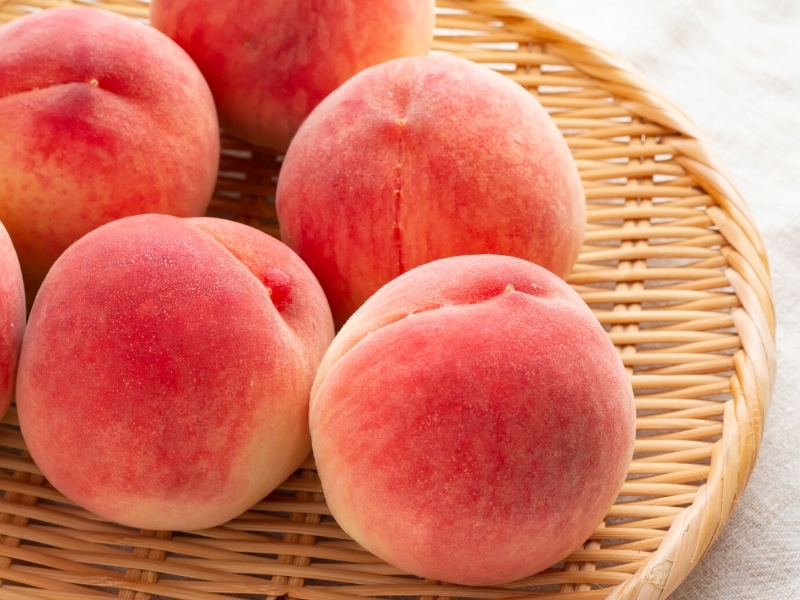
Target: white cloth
[{"x": 734, "y": 67}]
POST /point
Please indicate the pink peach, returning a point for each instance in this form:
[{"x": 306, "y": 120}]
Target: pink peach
[
  {"x": 101, "y": 117},
  {"x": 165, "y": 375},
  {"x": 12, "y": 318},
  {"x": 270, "y": 62},
  {"x": 472, "y": 422},
  {"x": 423, "y": 158}
]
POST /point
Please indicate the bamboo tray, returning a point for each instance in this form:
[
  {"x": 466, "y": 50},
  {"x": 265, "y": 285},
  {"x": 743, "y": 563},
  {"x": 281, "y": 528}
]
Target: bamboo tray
[{"x": 672, "y": 266}]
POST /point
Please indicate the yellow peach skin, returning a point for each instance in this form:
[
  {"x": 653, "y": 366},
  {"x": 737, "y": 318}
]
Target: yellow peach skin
[
  {"x": 165, "y": 374},
  {"x": 422, "y": 158},
  {"x": 12, "y": 318},
  {"x": 270, "y": 62},
  {"x": 101, "y": 117},
  {"x": 472, "y": 422}
]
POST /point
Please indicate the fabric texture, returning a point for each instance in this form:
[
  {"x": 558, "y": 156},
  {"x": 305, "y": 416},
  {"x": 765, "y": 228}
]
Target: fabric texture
[{"x": 733, "y": 66}]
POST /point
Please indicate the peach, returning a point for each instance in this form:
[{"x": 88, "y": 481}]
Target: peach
[
  {"x": 12, "y": 318},
  {"x": 100, "y": 117},
  {"x": 165, "y": 374},
  {"x": 270, "y": 62},
  {"x": 472, "y": 422},
  {"x": 424, "y": 158}
]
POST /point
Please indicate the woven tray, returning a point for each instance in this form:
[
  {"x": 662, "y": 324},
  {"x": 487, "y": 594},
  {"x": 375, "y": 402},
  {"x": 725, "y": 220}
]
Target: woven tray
[{"x": 672, "y": 266}]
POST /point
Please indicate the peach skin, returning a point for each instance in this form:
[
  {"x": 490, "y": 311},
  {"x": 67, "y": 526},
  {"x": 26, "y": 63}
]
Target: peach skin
[
  {"x": 112, "y": 121},
  {"x": 165, "y": 375},
  {"x": 270, "y": 68},
  {"x": 12, "y": 318},
  {"x": 472, "y": 422},
  {"x": 422, "y": 158}
]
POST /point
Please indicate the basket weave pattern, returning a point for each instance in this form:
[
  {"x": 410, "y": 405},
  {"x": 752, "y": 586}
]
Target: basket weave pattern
[{"x": 672, "y": 266}]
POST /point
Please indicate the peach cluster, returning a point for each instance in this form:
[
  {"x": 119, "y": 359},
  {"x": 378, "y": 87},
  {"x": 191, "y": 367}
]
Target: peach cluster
[{"x": 470, "y": 419}]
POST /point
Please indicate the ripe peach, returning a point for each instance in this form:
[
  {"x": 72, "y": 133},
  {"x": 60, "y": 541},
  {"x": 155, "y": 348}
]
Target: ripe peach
[
  {"x": 423, "y": 158},
  {"x": 270, "y": 62},
  {"x": 472, "y": 422},
  {"x": 12, "y": 318},
  {"x": 165, "y": 375},
  {"x": 100, "y": 117}
]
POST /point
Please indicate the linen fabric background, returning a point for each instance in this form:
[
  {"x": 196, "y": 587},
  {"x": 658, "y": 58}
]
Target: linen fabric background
[{"x": 733, "y": 66}]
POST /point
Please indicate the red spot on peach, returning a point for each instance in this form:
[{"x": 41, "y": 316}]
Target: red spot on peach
[
  {"x": 76, "y": 127},
  {"x": 279, "y": 287}
]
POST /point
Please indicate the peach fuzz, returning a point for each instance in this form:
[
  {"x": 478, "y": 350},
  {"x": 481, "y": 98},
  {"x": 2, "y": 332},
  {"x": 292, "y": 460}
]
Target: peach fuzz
[
  {"x": 12, "y": 318},
  {"x": 165, "y": 374},
  {"x": 101, "y": 117},
  {"x": 423, "y": 158},
  {"x": 472, "y": 422},
  {"x": 270, "y": 62}
]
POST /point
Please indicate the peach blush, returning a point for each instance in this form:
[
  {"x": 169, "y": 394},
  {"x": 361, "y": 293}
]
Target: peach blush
[
  {"x": 472, "y": 422},
  {"x": 188, "y": 348},
  {"x": 113, "y": 122},
  {"x": 12, "y": 318},
  {"x": 422, "y": 158},
  {"x": 266, "y": 85}
]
